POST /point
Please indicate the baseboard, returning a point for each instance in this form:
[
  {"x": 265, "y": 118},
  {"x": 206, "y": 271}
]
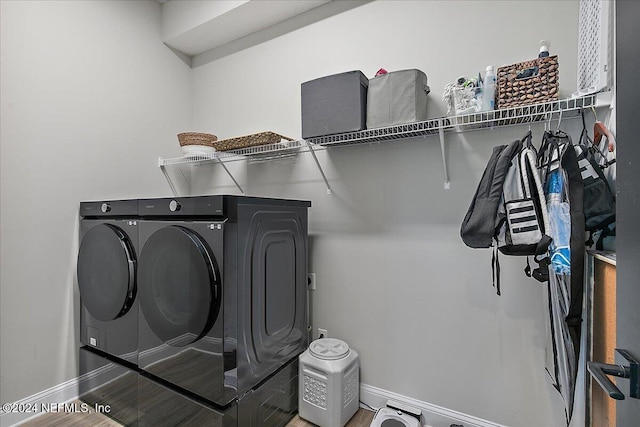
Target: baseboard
[
  {"x": 433, "y": 415},
  {"x": 36, "y": 404}
]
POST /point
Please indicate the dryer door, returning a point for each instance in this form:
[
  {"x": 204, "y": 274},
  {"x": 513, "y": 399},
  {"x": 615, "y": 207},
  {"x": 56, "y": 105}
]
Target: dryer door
[
  {"x": 179, "y": 285},
  {"x": 106, "y": 272}
]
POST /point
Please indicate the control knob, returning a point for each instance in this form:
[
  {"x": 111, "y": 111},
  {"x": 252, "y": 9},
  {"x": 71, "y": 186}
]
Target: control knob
[
  {"x": 174, "y": 206},
  {"x": 105, "y": 208}
]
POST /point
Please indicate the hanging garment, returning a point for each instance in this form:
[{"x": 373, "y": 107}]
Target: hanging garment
[
  {"x": 564, "y": 291},
  {"x": 561, "y": 356}
]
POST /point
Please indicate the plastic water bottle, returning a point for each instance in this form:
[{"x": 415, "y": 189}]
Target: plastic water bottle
[
  {"x": 489, "y": 95},
  {"x": 544, "y": 48},
  {"x": 560, "y": 224}
]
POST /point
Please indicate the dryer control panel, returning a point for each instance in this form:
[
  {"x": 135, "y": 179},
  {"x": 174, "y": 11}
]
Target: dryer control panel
[
  {"x": 210, "y": 206},
  {"x": 109, "y": 208}
]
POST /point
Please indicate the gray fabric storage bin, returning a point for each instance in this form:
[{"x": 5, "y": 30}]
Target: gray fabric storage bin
[
  {"x": 396, "y": 98},
  {"x": 334, "y": 104}
]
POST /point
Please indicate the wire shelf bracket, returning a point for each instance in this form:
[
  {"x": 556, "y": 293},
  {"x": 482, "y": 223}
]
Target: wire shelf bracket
[
  {"x": 315, "y": 158},
  {"x": 447, "y": 183},
  {"x": 226, "y": 169},
  {"x": 167, "y": 177}
]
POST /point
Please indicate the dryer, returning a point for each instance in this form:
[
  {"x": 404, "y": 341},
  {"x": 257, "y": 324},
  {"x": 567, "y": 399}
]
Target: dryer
[
  {"x": 223, "y": 301},
  {"x": 106, "y": 272}
]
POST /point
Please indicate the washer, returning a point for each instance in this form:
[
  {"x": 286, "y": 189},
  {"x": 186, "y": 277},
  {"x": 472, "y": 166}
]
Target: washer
[
  {"x": 223, "y": 298},
  {"x": 106, "y": 271}
]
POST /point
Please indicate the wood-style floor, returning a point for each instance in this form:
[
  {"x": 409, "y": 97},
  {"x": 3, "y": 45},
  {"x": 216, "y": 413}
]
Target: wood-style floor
[
  {"x": 57, "y": 419},
  {"x": 162, "y": 407},
  {"x": 362, "y": 418}
]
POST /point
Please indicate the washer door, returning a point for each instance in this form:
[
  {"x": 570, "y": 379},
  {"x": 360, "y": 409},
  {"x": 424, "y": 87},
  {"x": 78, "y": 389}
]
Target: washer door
[
  {"x": 179, "y": 285},
  {"x": 106, "y": 272}
]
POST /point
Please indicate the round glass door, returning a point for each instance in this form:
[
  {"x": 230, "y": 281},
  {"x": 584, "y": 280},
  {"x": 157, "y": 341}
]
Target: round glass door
[
  {"x": 106, "y": 272},
  {"x": 179, "y": 285}
]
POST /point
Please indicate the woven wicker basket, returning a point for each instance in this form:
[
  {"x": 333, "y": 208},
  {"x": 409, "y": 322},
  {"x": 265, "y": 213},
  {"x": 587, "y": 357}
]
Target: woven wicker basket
[
  {"x": 252, "y": 140},
  {"x": 196, "y": 138},
  {"x": 516, "y": 87}
]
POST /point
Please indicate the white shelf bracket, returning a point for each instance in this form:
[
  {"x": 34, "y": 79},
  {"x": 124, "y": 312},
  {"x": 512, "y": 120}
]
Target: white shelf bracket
[
  {"x": 447, "y": 184},
  {"x": 230, "y": 174},
  {"x": 167, "y": 177},
  {"x": 315, "y": 158}
]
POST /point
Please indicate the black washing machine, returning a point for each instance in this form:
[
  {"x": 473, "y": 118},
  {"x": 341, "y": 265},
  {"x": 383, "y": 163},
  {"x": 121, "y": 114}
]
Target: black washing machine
[
  {"x": 106, "y": 271},
  {"x": 222, "y": 285}
]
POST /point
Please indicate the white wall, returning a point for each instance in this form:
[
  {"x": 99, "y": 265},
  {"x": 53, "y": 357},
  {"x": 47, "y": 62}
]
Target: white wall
[
  {"x": 90, "y": 99},
  {"x": 394, "y": 279}
]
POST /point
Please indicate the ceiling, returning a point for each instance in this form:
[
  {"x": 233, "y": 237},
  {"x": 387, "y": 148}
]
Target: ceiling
[{"x": 194, "y": 26}]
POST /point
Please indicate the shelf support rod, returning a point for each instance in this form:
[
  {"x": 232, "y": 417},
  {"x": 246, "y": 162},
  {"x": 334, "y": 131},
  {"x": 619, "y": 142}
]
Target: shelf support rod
[
  {"x": 447, "y": 184},
  {"x": 315, "y": 158},
  {"x": 166, "y": 175},
  {"x": 230, "y": 174}
]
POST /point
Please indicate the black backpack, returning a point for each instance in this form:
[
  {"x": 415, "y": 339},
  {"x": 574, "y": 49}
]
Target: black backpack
[
  {"x": 508, "y": 210},
  {"x": 479, "y": 225},
  {"x": 599, "y": 201}
]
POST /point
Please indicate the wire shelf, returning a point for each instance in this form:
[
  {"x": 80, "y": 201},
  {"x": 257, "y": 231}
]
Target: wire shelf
[
  {"x": 199, "y": 158},
  {"x": 409, "y": 130},
  {"x": 262, "y": 152},
  {"x": 527, "y": 114},
  {"x": 564, "y": 108}
]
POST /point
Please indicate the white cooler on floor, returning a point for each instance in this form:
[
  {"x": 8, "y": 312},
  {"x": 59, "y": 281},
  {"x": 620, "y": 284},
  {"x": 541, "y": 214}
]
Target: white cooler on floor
[{"x": 329, "y": 383}]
